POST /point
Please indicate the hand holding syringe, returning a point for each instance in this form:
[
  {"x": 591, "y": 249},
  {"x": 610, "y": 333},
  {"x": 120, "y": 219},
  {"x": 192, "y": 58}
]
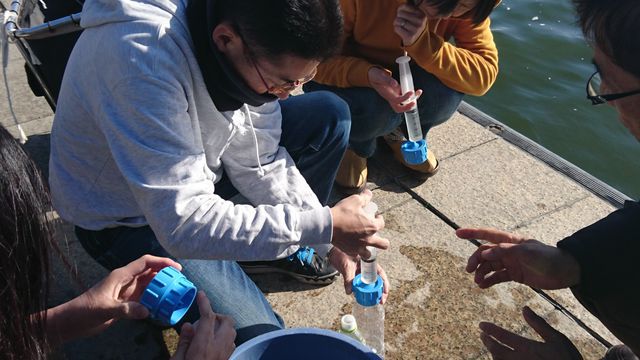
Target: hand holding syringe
[
  {"x": 368, "y": 266},
  {"x": 414, "y": 150},
  {"x": 406, "y": 84}
]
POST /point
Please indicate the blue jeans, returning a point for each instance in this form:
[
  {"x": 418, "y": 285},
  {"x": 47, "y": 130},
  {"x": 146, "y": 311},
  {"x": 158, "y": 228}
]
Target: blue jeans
[
  {"x": 372, "y": 116},
  {"x": 315, "y": 131}
]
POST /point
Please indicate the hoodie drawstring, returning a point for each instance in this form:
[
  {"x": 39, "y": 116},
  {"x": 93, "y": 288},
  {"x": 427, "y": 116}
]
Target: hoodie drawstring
[{"x": 255, "y": 138}]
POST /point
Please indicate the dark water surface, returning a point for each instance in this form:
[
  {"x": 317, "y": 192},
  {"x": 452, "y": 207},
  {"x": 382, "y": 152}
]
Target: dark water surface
[{"x": 540, "y": 92}]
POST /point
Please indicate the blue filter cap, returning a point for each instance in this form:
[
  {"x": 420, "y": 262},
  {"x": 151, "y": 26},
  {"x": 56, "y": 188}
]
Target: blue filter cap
[
  {"x": 414, "y": 152},
  {"x": 367, "y": 294},
  {"x": 168, "y": 296}
]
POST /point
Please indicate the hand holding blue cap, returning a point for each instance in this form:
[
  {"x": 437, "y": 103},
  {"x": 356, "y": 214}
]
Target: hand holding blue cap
[{"x": 168, "y": 296}]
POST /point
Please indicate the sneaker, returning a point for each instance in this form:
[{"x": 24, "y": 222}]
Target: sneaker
[
  {"x": 421, "y": 171},
  {"x": 352, "y": 174},
  {"x": 304, "y": 265}
]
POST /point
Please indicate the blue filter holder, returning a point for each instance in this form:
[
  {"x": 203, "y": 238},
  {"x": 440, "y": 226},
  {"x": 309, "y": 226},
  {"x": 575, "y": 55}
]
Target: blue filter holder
[
  {"x": 367, "y": 294},
  {"x": 168, "y": 296},
  {"x": 414, "y": 152}
]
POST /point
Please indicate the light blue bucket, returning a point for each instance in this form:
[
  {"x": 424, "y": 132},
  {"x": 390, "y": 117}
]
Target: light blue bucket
[{"x": 303, "y": 343}]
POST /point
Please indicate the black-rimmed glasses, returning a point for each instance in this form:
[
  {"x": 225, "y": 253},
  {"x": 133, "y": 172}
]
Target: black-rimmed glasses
[{"x": 593, "y": 89}]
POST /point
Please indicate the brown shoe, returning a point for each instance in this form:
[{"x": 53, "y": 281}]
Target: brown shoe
[
  {"x": 352, "y": 174},
  {"x": 422, "y": 171}
]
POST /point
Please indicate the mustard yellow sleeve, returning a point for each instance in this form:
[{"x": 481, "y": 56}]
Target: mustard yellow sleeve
[
  {"x": 343, "y": 70},
  {"x": 470, "y": 66}
]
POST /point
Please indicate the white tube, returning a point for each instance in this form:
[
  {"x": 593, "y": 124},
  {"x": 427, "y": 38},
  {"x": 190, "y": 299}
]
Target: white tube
[
  {"x": 368, "y": 267},
  {"x": 406, "y": 84}
]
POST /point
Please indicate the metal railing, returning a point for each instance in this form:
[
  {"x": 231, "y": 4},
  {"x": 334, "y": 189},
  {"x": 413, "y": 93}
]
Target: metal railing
[
  {"x": 19, "y": 36},
  {"x": 64, "y": 25}
]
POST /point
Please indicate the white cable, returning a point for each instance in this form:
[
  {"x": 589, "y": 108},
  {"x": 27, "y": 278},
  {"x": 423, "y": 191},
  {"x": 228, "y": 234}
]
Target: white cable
[{"x": 4, "y": 44}]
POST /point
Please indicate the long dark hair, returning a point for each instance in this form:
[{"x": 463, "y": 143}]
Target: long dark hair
[
  {"x": 25, "y": 237},
  {"x": 309, "y": 29}
]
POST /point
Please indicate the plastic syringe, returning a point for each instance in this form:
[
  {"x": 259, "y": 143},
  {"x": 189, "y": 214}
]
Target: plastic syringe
[
  {"x": 414, "y": 151},
  {"x": 369, "y": 267},
  {"x": 406, "y": 84}
]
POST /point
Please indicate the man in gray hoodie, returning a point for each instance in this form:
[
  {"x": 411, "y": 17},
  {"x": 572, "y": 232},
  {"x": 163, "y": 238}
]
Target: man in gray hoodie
[{"x": 169, "y": 108}]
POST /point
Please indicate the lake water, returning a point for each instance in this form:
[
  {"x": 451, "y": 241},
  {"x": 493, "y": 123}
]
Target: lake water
[{"x": 540, "y": 92}]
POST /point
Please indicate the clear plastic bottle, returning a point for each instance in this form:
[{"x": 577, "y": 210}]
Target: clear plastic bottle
[
  {"x": 367, "y": 289},
  {"x": 349, "y": 327},
  {"x": 371, "y": 325}
]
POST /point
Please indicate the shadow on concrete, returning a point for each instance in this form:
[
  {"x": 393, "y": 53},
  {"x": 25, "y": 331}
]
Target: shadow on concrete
[{"x": 38, "y": 147}]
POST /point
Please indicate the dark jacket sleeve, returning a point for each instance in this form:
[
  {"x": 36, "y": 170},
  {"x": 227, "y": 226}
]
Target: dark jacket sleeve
[{"x": 608, "y": 251}]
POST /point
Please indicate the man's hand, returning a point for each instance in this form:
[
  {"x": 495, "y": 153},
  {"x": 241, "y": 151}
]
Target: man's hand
[
  {"x": 510, "y": 257},
  {"x": 409, "y": 23},
  {"x": 389, "y": 89},
  {"x": 349, "y": 266},
  {"x": 211, "y": 337},
  {"x": 353, "y": 229},
  {"x": 503, "y": 344}
]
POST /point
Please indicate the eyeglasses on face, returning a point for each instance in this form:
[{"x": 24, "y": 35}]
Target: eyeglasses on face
[
  {"x": 593, "y": 91},
  {"x": 286, "y": 87},
  {"x": 280, "y": 89}
]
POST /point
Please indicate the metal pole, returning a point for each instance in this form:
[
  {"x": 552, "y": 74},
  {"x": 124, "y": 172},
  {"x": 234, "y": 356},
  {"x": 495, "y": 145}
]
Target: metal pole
[{"x": 18, "y": 36}]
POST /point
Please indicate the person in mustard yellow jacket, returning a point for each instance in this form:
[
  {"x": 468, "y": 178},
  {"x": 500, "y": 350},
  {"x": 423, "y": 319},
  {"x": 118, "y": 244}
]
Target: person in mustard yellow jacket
[{"x": 365, "y": 74}]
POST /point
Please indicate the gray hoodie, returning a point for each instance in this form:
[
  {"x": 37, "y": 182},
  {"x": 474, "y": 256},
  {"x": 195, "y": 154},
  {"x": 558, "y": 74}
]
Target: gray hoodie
[{"x": 136, "y": 140}]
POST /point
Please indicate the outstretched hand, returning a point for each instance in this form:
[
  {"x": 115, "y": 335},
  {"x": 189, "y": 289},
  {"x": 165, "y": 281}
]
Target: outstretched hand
[
  {"x": 503, "y": 344},
  {"x": 511, "y": 257},
  {"x": 353, "y": 229}
]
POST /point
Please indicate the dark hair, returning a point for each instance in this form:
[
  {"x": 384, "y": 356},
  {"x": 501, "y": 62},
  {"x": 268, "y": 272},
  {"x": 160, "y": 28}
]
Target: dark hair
[
  {"x": 310, "y": 29},
  {"x": 25, "y": 236},
  {"x": 614, "y": 27},
  {"x": 480, "y": 12}
]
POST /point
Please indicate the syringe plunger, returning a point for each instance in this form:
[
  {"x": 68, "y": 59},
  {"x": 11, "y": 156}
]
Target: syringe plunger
[
  {"x": 368, "y": 267},
  {"x": 406, "y": 80}
]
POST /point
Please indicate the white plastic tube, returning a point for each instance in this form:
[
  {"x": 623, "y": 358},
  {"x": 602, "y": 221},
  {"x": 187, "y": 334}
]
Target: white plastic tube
[
  {"x": 406, "y": 84},
  {"x": 368, "y": 267}
]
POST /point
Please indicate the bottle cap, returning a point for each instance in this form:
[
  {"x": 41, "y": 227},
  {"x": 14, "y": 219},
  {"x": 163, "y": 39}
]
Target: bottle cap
[
  {"x": 414, "y": 152},
  {"x": 168, "y": 296},
  {"x": 348, "y": 323},
  {"x": 367, "y": 294}
]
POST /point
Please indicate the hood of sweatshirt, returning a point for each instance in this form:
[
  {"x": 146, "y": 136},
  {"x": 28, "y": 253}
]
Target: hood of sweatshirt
[{"x": 226, "y": 87}]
